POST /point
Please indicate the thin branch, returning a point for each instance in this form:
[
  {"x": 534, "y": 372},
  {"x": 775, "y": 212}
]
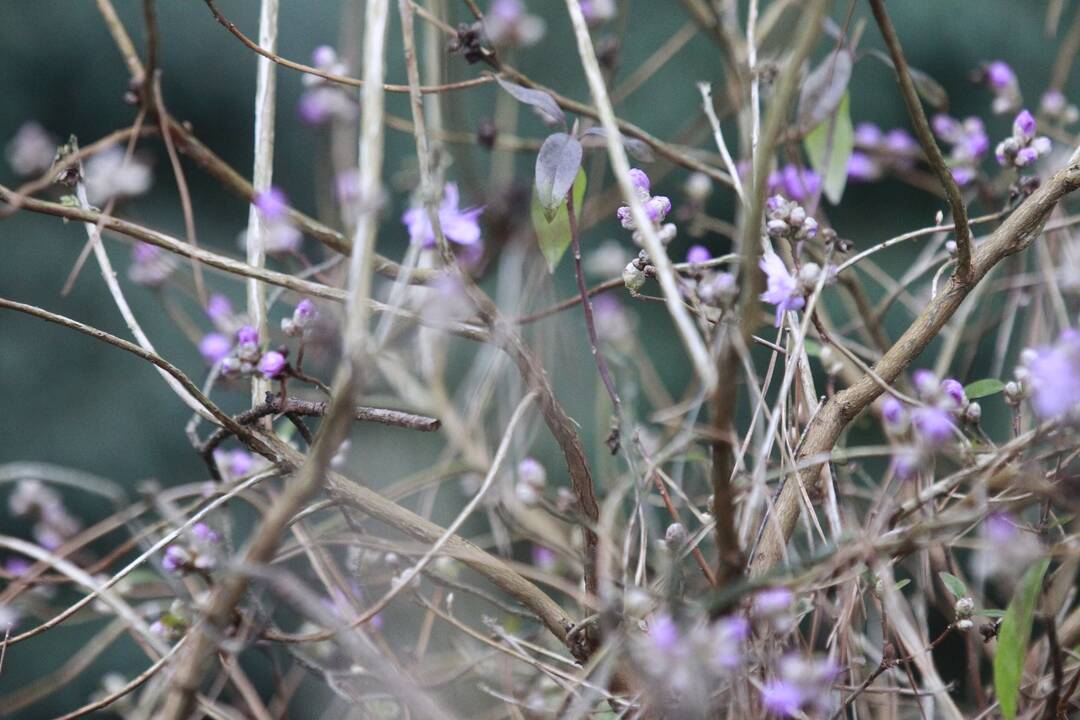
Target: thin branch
[{"x": 926, "y": 140}]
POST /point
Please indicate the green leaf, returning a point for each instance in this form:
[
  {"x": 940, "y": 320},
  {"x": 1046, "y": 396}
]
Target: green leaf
[
  {"x": 991, "y": 613},
  {"x": 557, "y": 167},
  {"x": 554, "y": 236},
  {"x": 983, "y": 388},
  {"x": 902, "y": 584},
  {"x": 954, "y": 585},
  {"x": 829, "y": 147},
  {"x": 1013, "y": 637}
]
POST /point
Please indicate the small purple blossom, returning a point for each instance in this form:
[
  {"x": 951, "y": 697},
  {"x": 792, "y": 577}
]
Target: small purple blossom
[
  {"x": 698, "y": 254},
  {"x": 247, "y": 335},
  {"x": 219, "y": 309},
  {"x": 459, "y": 226},
  {"x": 271, "y": 364},
  {"x": 176, "y": 558},
  {"x": 1053, "y": 377},
  {"x": 893, "y": 413},
  {"x": 272, "y": 203},
  {"x": 664, "y": 633},
  {"x": 796, "y": 183},
  {"x": 544, "y": 557},
  {"x": 933, "y": 425},
  {"x": 31, "y": 150},
  {"x": 954, "y": 390},
  {"x": 204, "y": 533},
  {"x": 640, "y": 180},
  {"x": 781, "y": 698},
  {"x": 867, "y": 135},
  {"x": 150, "y": 265},
  {"x": 772, "y": 602},
  {"x": 900, "y": 142},
  {"x": 862, "y": 168},
  {"x": 999, "y": 75},
  {"x": 507, "y": 23},
  {"x": 782, "y": 287},
  {"x": 324, "y": 57},
  {"x": 240, "y": 462},
  {"x": 214, "y": 347}
]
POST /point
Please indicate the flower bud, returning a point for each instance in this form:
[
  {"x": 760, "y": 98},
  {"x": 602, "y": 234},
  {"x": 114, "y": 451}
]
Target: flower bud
[
  {"x": 675, "y": 536},
  {"x": 964, "y": 607},
  {"x": 633, "y": 277}
]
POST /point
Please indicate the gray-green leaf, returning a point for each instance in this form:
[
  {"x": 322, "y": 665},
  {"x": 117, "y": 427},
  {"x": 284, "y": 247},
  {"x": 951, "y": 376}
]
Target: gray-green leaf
[
  {"x": 1013, "y": 637},
  {"x": 557, "y": 166},
  {"x": 554, "y": 236},
  {"x": 953, "y": 584},
  {"x": 829, "y": 147},
  {"x": 543, "y": 103},
  {"x": 824, "y": 88},
  {"x": 983, "y": 388}
]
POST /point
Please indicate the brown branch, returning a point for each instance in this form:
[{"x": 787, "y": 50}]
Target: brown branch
[
  {"x": 339, "y": 79},
  {"x": 926, "y": 140},
  {"x": 1017, "y": 232}
]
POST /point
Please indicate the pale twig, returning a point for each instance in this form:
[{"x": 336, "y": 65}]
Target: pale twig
[
  {"x": 699, "y": 354},
  {"x": 262, "y": 177},
  {"x": 718, "y": 135}
]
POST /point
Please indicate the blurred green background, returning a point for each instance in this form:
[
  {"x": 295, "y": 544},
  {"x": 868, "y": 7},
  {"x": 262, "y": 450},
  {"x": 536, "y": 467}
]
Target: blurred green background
[{"x": 74, "y": 402}]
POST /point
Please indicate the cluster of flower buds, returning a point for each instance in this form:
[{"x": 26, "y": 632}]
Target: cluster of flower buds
[
  {"x": 322, "y": 100},
  {"x": 1023, "y": 147},
  {"x": 964, "y": 608},
  {"x": 302, "y": 317},
  {"x": 53, "y": 524},
  {"x": 1050, "y": 376},
  {"x": 656, "y": 207},
  {"x": 1059, "y": 111},
  {"x": 788, "y": 220},
  {"x": 932, "y": 424},
  {"x": 637, "y": 271},
  {"x": 969, "y": 144},
  {"x": 682, "y": 662},
  {"x": 532, "y": 479},
  {"x": 801, "y": 687},
  {"x": 197, "y": 554},
  {"x": 1001, "y": 80},
  {"x": 247, "y": 357}
]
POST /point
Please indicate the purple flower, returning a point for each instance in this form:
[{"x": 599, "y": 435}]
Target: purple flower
[
  {"x": 726, "y": 639},
  {"x": 16, "y": 566},
  {"x": 946, "y": 127},
  {"x": 797, "y": 183},
  {"x": 544, "y": 558},
  {"x": 507, "y": 23},
  {"x": 933, "y": 425},
  {"x": 271, "y": 364},
  {"x": 1054, "y": 376},
  {"x": 324, "y": 102},
  {"x": 240, "y": 462},
  {"x": 781, "y": 698},
  {"x": 772, "y": 602},
  {"x": 954, "y": 390},
  {"x": 862, "y": 168},
  {"x": 205, "y": 533},
  {"x": 640, "y": 180},
  {"x": 32, "y": 149},
  {"x": 893, "y": 412},
  {"x": 867, "y": 135},
  {"x": 324, "y": 57},
  {"x": 214, "y": 347},
  {"x": 925, "y": 381},
  {"x": 1024, "y": 125},
  {"x": 176, "y": 558},
  {"x": 150, "y": 265},
  {"x": 999, "y": 75},
  {"x": 698, "y": 254},
  {"x": 900, "y": 142},
  {"x": 598, "y": 11},
  {"x": 459, "y": 226},
  {"x": 664, "y": 633},
  {"x": 782, "y": 288},
  {"x": 963, "y": 175},
  {"x": 247, "y": 335},
  {"x": 272, "y": 203},
  {"x": 532, "y": 473},
  {"x": 219, "y": 309}
]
